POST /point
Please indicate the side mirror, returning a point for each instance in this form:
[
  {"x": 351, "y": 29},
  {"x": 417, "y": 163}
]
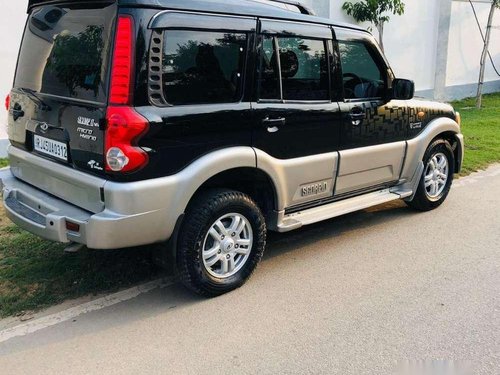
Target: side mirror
[{"x": 402, "y": 89}]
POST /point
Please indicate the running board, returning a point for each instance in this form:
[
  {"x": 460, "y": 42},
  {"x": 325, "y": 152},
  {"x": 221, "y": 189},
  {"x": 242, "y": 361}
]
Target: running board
[{"x": 328, "y": 211}]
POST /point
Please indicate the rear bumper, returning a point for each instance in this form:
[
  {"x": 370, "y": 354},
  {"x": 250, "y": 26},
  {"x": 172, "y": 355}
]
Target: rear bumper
[{"x": 46, "y": 216}]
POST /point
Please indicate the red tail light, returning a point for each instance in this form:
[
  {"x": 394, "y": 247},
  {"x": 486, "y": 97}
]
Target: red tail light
[
  {"x": 121, "y": 76},
  {"x": 7, "y": 103},
  {"x": 124, "y": 125}
]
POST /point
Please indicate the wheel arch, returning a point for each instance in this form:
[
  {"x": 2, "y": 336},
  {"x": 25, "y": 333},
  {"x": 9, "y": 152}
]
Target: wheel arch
[
  {"x": 249, "y": 180},
  {"x": 456, "y": 146},
  {"x": 445, "y": 128}
]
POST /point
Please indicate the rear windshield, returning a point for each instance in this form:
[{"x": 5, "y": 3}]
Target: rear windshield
[{"x": 66, "y": 50}]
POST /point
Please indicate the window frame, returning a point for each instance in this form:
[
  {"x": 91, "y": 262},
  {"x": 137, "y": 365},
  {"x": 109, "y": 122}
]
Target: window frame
[
  {"x": 275, "y": 34},
  {"x": 326, "y": 43},
  {"x": 377, "y": 57},
  {"x": 166, "y": 21}
]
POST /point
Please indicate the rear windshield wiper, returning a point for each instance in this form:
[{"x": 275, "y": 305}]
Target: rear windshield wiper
[{"x": 35, "y": 98}]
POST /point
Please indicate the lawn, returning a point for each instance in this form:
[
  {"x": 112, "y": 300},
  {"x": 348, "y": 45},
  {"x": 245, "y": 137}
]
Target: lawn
[
  {"x": 4, "y": 162},
  {"x": 35, "y": 273},
  {"x": 481, "y": 129}
]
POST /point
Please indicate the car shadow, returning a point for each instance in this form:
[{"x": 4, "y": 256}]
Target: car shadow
[{"x": 175, "y": 296}]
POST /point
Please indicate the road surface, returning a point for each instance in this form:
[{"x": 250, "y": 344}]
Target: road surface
[{"x": 357, "y": 295}]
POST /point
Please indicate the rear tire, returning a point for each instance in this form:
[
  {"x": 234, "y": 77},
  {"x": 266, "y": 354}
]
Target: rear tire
[
  {"x": 437, "y": 177},
  {"x": 221, "y": 242}
]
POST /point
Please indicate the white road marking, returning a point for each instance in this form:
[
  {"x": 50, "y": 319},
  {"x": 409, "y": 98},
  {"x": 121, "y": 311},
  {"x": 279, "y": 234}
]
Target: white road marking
[{"x": 69, "y": 314}]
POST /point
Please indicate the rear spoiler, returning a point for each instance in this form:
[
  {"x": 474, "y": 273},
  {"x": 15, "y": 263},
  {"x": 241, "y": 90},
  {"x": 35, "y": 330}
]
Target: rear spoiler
[
  {"x": 302, "y": 8},
  {"x": 34, "y": 3}
]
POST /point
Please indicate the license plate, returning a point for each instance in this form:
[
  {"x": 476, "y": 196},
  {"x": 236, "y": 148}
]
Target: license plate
[{"x": 50, "y": 147}]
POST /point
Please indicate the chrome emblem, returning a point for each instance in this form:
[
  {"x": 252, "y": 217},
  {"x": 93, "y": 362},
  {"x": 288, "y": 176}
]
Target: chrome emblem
[
  {"x": 44, "y": 127},
  {"x": 314, "y": 189}
]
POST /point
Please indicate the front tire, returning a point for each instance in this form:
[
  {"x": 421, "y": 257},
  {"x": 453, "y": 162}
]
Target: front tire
[
  {"x": 436, "y": 180},
  {"x": 221, "y": 242}
]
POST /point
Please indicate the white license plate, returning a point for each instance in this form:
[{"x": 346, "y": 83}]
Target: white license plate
[{"x": 50, "y": 147}]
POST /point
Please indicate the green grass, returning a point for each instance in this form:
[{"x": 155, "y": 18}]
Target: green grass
[
  {"x": 481, "y": 129},
  {"x": 35, "y": 273},
  {"x": 4, "y": 162}
]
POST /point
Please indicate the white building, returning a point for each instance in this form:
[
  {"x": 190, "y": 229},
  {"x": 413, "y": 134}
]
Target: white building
[{"x": 436, "y": 43}]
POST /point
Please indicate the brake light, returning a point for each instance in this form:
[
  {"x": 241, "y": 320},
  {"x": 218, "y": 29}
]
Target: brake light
[
  {"x": 7, "y": 103},
  {"x": 124, "y": 128},
  {"x": 122, "y": 68},
  {"x": 124, "y": 125}
]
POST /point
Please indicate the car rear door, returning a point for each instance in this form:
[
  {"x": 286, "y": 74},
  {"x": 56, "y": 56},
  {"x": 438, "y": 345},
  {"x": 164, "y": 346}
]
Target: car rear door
[
  {"x": 60, "y": 90},
  {"x": 296, "y": 122}
]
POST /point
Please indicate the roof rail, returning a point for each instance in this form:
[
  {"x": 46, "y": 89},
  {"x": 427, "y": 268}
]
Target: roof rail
[{"x": 304, "y": 9}]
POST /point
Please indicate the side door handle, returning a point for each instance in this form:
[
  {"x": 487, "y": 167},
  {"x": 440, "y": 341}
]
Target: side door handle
[
  {"x": 273, "y": 124},
  {"x": 357, "y": 115}
]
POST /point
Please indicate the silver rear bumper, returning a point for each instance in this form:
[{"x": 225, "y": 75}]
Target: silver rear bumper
[
  {"x": 40, "y": 196},
  {"x": 39, "y": 212},
  {"x": 46, "y": 216}
]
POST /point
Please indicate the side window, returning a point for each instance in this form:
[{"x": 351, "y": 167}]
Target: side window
[
  {"x": 362, "y": 76},
  {"x": 201, "y": 67},
  {"x": 304, "y": 69},
  {"x": 300, "y": 73},
  {"x": 269, "y": 77}
]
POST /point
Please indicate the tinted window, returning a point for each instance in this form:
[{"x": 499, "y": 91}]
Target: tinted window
[
  {"x": 269, "y": 73},
  {"x": 65, "y": 51},
  {"x": 362, "y": 76},
  {"x": 304, "y": 69},
  {"x": 203, "y": 67}
]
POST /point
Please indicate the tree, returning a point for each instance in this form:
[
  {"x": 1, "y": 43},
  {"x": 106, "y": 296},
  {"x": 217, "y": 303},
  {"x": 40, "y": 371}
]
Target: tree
[
  {"x": 82, "y": 69},
  {"x": 376, "y": 12},
  {"x": 479, "y": 98}
]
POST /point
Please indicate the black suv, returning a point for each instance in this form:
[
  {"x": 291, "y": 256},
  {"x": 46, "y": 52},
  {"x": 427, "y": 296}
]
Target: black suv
[{"x": 202, "y": 124}]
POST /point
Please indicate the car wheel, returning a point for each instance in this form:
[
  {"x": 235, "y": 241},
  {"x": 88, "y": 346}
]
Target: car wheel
[
  {"x": 436, "y": 180},
  {"x": 221, "y": 242}
]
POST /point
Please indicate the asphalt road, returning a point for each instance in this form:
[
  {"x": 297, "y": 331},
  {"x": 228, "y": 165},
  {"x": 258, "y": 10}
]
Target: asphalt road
[{"x": 360, "y": 294}]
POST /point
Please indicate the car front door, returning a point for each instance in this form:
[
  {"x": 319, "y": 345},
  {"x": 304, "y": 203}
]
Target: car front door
[
  {"x": 297, "y": 125},
  {"x": 374, "y": 129}
]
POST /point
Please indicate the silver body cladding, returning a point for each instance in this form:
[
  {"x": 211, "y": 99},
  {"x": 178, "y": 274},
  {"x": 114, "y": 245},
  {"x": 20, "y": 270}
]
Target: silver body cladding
[{"x": 42, "y": 197}]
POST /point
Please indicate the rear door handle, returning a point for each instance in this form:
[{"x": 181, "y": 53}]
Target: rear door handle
[
  {"x": 273, "y": 124},
  {"x": 357, "y": 116}
]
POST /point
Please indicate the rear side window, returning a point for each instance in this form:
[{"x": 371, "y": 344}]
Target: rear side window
[
  {"x": 299, "y": 74},
  {"x": 304, "y": 69},
  {"x": 201, "y": 67},
  {"x": 362, "y": 76},
  {"x": 65, "y": 51}
]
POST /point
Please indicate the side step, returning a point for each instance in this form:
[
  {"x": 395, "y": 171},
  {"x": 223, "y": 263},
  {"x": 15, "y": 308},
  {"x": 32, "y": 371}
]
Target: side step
[{"x": 317, "y": 214}]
